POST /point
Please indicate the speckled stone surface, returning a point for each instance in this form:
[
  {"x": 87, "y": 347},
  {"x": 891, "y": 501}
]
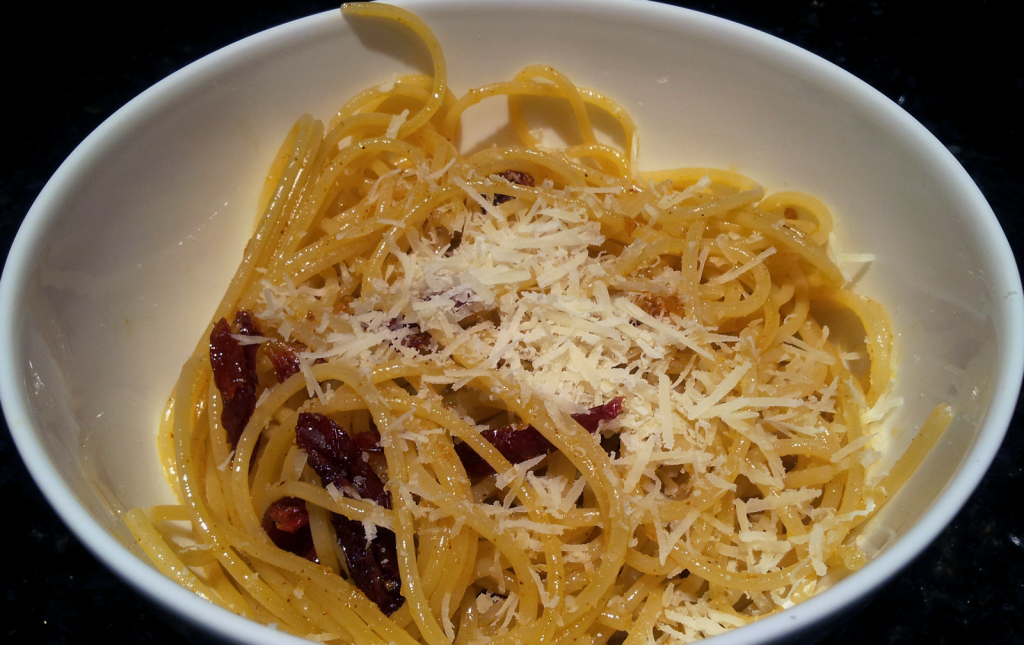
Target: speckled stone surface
[{"x": 957, "y": 69}]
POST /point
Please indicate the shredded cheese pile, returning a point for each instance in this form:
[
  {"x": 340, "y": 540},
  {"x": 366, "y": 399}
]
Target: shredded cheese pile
[{"x": 569, "y": 328}]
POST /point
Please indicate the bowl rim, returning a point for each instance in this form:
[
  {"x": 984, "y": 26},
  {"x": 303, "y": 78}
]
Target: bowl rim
[{"x": 170, "y": 596}]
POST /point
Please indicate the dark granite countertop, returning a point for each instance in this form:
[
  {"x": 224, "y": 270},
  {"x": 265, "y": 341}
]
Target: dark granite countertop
[{"x": 953, "y": 68}]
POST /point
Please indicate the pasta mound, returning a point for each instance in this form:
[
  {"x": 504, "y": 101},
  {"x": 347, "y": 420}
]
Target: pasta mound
[{"x": 598, "y": 401}]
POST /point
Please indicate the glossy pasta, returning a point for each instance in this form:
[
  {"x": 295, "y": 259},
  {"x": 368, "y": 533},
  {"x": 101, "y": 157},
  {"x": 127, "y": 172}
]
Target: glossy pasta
[{"x": 598, "y": 401}]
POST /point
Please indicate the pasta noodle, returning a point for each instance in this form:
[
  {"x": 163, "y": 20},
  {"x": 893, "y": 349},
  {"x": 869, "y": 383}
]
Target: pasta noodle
[{"x": 522, "y": 396}]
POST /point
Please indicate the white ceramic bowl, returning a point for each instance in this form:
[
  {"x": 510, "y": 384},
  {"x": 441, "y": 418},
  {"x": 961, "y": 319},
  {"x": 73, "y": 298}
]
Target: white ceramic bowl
[{"x": 129, "y": 247}]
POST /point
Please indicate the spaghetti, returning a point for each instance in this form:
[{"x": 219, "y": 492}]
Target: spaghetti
[{"x": 524, "y": 396}]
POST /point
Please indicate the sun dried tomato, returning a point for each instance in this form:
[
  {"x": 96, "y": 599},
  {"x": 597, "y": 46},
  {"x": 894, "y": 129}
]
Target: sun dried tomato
[
  {"x": 284, "y": 357},
  {"x": 513, "y": 177},
  {"x": 591, "y": 419},
  {"x": 521, "y": 444},
  {"x": 368, "y": 441},
  {"x": 338, "y": 459},
  {"x": 374, "y": 565},
  {"x": 416, "y": 339},
  {"x": 516, "y": 444},
  {"x": 234, "y": 372},
  {"x": 287, "y": 523}
]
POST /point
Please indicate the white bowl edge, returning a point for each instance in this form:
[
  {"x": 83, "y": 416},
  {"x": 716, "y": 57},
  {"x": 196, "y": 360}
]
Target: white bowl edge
[{"x": 14, "y": 389}]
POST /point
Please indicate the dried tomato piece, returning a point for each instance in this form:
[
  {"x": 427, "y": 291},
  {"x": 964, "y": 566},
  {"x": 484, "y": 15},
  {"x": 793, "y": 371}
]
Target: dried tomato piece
[
  {"x": 245, "y": 325},
  {"x": 516, "y": 444},
  {"x": 234, "y": 372},
  {"x": 368, "y": 441},
  {"x": 287, "y": 523},
  {"x": 338, "y": 459},
  {"x": 521, "y": 444},
  {"x": 284, "y": 357},
  {"x": 417, "y": 339},
  {"x": 288, "y": 514},
  {"x": 513, "y": 177},
  {"x": 372, "y": 564},
  {"x": 595, "y": 415}
]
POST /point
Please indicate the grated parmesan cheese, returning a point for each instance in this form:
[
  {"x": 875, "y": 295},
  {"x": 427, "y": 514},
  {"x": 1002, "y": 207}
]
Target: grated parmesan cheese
[
  {"x": 529, "y": 292},
  {"x": 396, "y": 122}
]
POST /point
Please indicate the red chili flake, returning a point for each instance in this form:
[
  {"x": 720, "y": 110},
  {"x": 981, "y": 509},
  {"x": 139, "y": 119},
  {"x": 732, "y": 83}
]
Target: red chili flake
[
  {"x": 338, "y": 459},
  {"x": 234, "y": 372},
  {"x": 287, "y": 523},
  {"x": 521, "y": 444},
  {"x": 513, "y": 177}
]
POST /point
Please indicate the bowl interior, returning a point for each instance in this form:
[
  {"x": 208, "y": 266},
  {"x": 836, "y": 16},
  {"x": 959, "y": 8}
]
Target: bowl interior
[{"x": 128, "y": 249}]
